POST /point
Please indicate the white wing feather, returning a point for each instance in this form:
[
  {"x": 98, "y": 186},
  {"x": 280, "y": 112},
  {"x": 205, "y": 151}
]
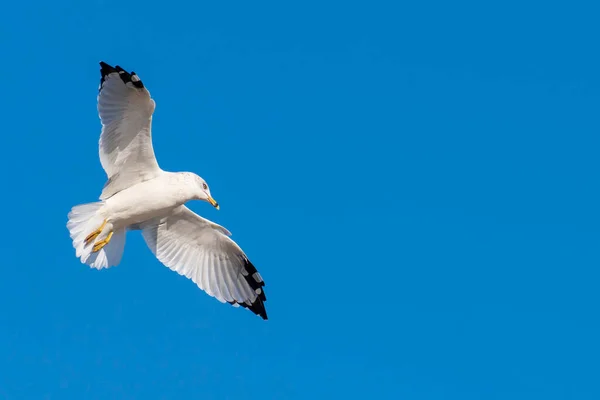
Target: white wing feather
[
  {"x": 201, "y": 251},
  {"x": 125, "y": 109}
]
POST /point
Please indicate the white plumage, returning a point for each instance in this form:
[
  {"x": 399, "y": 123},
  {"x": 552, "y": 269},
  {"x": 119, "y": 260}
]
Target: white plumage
[{"x": 139, "y": 195}]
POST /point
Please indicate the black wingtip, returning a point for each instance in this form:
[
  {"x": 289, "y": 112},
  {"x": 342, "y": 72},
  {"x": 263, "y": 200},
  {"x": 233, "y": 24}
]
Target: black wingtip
[
  {"x": 106, "y": 69},
  {"x": 258, "y": 308},
  {"x": 255, "y": 281},
  {"x": 126, "y": 77}
]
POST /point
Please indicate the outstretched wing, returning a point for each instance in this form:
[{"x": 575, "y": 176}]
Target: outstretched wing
[
  {"x": 125, "y": 109},
  {"x": 202, "y": 251}
]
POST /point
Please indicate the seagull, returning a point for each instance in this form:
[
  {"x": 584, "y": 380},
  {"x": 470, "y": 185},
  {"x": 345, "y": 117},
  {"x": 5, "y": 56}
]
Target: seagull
[{"x": 139, "y": 195}]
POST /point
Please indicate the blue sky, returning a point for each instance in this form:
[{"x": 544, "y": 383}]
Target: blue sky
[{"x": 416, "y": 183}]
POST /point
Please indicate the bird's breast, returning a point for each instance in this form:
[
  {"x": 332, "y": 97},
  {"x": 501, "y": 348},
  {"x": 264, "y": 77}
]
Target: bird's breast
[{"x": 143, "y": 202}]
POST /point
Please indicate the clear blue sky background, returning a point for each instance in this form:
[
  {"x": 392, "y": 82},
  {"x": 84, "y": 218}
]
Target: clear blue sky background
[{"x": 417, "y": 184}]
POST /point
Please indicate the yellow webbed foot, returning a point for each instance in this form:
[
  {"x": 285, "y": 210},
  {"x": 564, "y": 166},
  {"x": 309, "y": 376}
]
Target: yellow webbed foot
[
  {"x": 94, "y": 234},
  {"x": 98, "y": 246}
]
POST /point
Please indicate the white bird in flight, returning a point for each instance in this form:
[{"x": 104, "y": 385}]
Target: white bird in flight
[{"x": 139, "y": 195}]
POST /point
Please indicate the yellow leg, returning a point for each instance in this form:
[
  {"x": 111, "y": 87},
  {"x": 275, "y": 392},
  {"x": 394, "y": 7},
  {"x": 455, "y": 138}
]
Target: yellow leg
[
  {"x": 94, "y": 234},
  {"x": 102, "y": 243}
]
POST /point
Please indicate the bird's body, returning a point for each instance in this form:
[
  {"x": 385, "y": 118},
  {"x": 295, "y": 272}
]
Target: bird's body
[
  {"x": 139, "y": 195},
  {"x": 157, "y": 197}
]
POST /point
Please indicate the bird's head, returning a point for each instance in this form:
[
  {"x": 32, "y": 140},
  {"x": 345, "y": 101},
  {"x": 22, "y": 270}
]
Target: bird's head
[{"x": 203, "y": 192}]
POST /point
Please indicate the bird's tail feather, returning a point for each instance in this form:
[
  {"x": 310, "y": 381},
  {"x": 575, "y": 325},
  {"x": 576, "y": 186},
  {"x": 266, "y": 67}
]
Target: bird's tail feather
[{"x": 84, "y": 219}]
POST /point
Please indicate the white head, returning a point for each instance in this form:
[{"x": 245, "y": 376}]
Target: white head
[{"x": 202, "y": 191}]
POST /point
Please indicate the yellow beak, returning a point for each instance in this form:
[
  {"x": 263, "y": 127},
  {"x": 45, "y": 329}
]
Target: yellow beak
[{"x": 213, "y": 202}]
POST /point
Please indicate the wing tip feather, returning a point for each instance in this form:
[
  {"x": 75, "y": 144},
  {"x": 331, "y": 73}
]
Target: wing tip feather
[
  {"x": 258, "y": 307},
  {"x": 126, "y": 77},
  {"x": 255, "y": 281}
]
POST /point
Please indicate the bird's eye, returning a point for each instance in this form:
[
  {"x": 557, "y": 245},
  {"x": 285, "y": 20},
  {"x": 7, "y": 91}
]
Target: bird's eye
[{"x": 204, "y": 186}]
